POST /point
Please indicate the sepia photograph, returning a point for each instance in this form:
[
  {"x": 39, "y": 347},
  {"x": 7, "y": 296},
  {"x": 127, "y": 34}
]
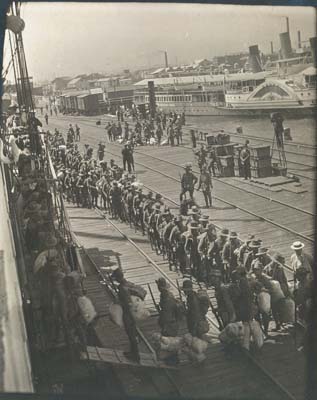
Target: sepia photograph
[{"x": 158, "y": 201}]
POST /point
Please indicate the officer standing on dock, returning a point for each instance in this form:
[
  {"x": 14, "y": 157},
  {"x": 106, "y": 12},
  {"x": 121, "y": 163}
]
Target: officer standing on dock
[
  {"x": 188, "y": 182},
  {"x": 128, "y": 319},
  {"x": 245, "y": 160},
  {"x": 205, "y": 185}
]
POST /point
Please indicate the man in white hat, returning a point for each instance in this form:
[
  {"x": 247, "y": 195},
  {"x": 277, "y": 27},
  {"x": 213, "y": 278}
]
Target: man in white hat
[{"x": 300, "y": 259}]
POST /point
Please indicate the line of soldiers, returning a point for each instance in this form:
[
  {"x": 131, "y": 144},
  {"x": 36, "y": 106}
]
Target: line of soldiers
[{"x": 238, "y": 270}]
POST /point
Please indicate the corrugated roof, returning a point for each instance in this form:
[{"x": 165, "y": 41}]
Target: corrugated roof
[{"x": 183, "y": 80}]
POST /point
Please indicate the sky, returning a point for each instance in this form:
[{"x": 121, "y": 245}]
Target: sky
[{"x": 76, "y": 38}]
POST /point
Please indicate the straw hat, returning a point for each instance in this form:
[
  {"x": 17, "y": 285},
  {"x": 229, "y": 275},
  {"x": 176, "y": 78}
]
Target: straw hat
[{"x": 297, "y": 246}]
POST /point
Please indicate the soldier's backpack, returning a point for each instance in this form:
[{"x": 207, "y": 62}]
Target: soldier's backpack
[{"x": 136, "y": 290}]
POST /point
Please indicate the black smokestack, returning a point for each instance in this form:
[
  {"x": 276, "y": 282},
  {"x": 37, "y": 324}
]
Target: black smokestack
[
  {"x": 254, "y": 59},
  {"x": 166, "y": 59},
  {"x": 286, "y": 47},
  {"x": 313, "y": 47},
  {"x": 272, "y": 50},
  {"x": 299, "y": 40},
  {"x": 152, "y": 102}
]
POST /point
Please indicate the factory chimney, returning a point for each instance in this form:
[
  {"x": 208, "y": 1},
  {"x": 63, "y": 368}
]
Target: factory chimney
[
  {"x": 287, "y": 25},
  {"x": 272, "y": 50},
  {"x": 286, "y": 47},
  {"x": 166, "y": 60},
  {"x": 299, "y": 40},
  {"x": 254, "y": 59},
  {"x": 313, "y": 47}
]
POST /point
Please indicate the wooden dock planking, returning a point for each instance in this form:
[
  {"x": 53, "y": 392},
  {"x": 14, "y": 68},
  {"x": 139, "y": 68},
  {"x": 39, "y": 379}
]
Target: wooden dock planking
[{"x": 285, "y": 240}]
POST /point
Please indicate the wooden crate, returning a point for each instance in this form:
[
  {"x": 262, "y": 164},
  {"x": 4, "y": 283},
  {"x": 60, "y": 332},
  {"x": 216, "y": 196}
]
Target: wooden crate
[
  {"x": 211, "y": 140},
  {"x": 226, "y": 161},
  {"x": 223, "y": 138},
  {"x": 260, "y": 151},
  {"x": 261, "y": 162},
  {"x": 261, "y": 172}
]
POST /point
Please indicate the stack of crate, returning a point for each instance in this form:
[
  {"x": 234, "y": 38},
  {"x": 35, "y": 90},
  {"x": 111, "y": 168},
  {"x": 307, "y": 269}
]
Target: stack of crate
[
  {"x": 261, "y": 162},
  {"x": 238, "y": 170}
]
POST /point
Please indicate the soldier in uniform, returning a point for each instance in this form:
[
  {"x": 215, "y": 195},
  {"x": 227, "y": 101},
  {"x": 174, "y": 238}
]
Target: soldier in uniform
[
  {"x": 193, "y": 315},
  {"x": 230, "y": 256},
  {"x": 169, "y": 310},
  {"x": 115, "y": 195},
  {"x": 188, "y": 182},
  {"x": 101, "y": 151},
  {"x": 205, "y": 185},
  {"x": 78, "y": 189},
  {"x": 194, "y": 215},
  {"x": 128, "y": 319},
  {"x": 209, "y": 253},
  {"x": 245, "y": 161},
  {"x": 204, "y": 221},
  {"x": 254, "y": 246},
  {"x": 177, "y": 241},
  {"x": 222, "y": 239},
  {"x": 191, "y": 248}
]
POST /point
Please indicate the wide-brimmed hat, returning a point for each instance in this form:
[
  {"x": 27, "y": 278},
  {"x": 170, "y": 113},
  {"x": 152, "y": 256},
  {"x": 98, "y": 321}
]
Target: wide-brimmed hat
[
  {"x": 162, "y": 284},
  {"x": 254, "y": 244},
  {"x": 188, "y": 165},
  {"x": 250, "y": 238},
  {"x": 233, "y": 235},
  {"x": 224, "y": 232},
  {"x": 193, "y": 226},
  {"x": 204, "y": 218},
  {"x": 187, "y": 284},
  {"x": 277, "y": 257},
  {"x": 261, "y": 251},
  {"x": 297, "y": 245},
  {"x": 193, "y": 210}
]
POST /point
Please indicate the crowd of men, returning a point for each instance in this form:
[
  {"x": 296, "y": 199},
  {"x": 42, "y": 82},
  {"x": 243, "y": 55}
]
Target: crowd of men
[
  {"x": 163, "y": 129},
  {"x": 237, "y": 269}
]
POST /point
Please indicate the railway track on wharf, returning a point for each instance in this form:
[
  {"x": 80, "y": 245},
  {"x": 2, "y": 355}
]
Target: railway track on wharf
[
  {"x": 300, "y": 172},
  {"x": 244, "y": 205},
  {"x": 221, "y": 181},
  {"x": 298, "y": 224},
  {"x": 221, "y": 375}
]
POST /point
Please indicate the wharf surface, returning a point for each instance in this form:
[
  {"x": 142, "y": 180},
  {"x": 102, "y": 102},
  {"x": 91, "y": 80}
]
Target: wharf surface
[
  {"x": 159, "y": 168},
  {"x": 222, "y": 374}
]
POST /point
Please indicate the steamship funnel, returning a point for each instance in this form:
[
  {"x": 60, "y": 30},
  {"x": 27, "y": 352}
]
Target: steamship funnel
[
  {"x": 286, "y": 47},
  {"x": 254, "y": 59},
  {"x": 313, "y": 47}
]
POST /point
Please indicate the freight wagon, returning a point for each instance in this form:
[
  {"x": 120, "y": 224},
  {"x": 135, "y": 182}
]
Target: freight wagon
[{"x": 88, "y": 104}]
